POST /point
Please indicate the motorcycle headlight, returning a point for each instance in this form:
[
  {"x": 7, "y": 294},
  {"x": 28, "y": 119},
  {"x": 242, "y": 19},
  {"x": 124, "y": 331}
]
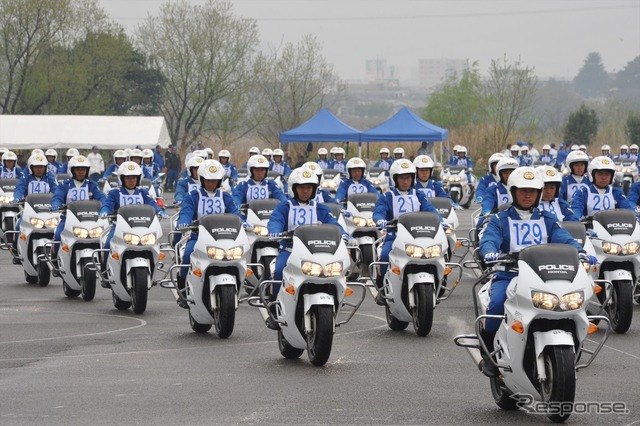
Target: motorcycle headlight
[
  {"x": 371, "y": 223},
  {"x": 449, "y": 231},
  {"x": 80, "y": 232},
  {"x": 333, "y": 269},
  {"x": 235, "y": 253},
  {"x": 216, "y": 253},
  {"x": 149, "y": 239},
  {"x": 377, "y": 182},
  {"x": 572, "y": 301},
  {"x": 96, "y": 232},
  {"x": 433, "y": 251},
  {"x": 132, "y": 239},
  {"x": 311, "y": 268},
  {"x": 611, "y": 248},
  {"x": 260, "y": 230},
  {"x": 51, "y": 223},
  {"x": 6, "y": 199},
  {"x": 36, "y": 223},
  {"x": 542, "y": 300},
  {"x": 330, "y": 184},
  {"x": 360, "y": 221},
  {"x": 631, "y": 248},
  {"x": 414, "y": 251}
]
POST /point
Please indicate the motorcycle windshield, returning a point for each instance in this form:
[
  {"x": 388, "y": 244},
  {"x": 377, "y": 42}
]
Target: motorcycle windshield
[
  {"x": 263, "y": 208},
  {"x": 364, "y": 202},
  {"x": 420, "y": 224},
  {"x": 85, "y": 211},
  {"x": 374, "y": 172},
  {"x": 616, "y": 222},
  {"x": 8, "y": 185},
  {"x": 454, "y": 170},
  {"x": 577, "y": 231},
  {"x": 552, "y": 261},
  {"x": 319, "y": 238},
  {"x": 243, "y": 173},
  {"x": 145, "y": 183},
  {"x": 40, "y": 203},
  {"x": 330, "y": 174},
  {"x": 137, "y": 215},
  {"x": 443, "y": 205},
  {"x": 222, "y": 226}
]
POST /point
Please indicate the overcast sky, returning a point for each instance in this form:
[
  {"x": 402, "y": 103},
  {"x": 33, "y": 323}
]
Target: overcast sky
[{"x": 553, "y": 36}]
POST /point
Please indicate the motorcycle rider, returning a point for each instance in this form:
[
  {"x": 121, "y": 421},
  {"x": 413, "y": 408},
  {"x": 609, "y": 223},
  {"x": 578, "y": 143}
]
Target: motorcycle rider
[
  {"x": 356, "y": 182},
  {"x": 322, "y": 160},
  {"x": 230, "y": 171},
  {"x": 550, "y": 201},
  {"x": 189, "y": 183},
  {"x": 465, "y": 161},
  {"x": 136, "y": 156},
  {"x": 254, "y": 150},
  {"x": 257, "y": 187},
  {"x": 148, "y": 164},
  {"x": 624, "y": 153},
  {"x": 599, "y": 194},
  {"x": 71, "y": 152},
  {"x": 201, "y": 153},
  {"x": 546, "y": 156},
  {"x": 525, "y": 158},
  {"x": 339, "y": 163},
  {"x": 384, "y": 162},
  {"x": 53, "y": 165},
  {"x": 606, "y": 151},
  {"x": 289, "y": 214},
  {"x": 577, "y": 162},
  {"x": 403, "y": 198},
  {"x": 430, "y": 188},
  {"x": 398, "y": 153},
  {"x": 206, "y": 199},
  {"x": 515, "y": 153},
  {"x": 499, "y": 194},
  {"x": 633, "y": 154},
  {"x": 77, "y": 188},
  {"x": 210, "y": 153},
  {"x": 322, "y": 195},
  {"x": 9, "y": 169},
  {"x": 268, "y": 154},
  {"x": 119, "y": 157},
  {"x": 490, "y": 179},
  {"x": 505, "y": 234},
  {"x": 278, "y": 165}
]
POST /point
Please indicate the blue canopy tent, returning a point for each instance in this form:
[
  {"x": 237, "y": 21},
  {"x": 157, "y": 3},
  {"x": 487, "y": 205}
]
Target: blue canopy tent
[{"x": 322, "y": 127}]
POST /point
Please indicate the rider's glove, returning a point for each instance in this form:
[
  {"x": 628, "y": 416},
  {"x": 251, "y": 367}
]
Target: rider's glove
[
  {"x": 177, "y": 203},
  {"x": 478, "y": 200},
  {"x": 346, "y": 213},
  {"x": 591, "y": 233},
  {"x": 491, "y": 257},
  {"x": 246, "y": 226},
  {"x": 351, "y": 242},
  {"x": 163, "y": 215},
  {"x": 457, "y": 206},
  {"x": 274, "y": 234},
  {"x": 382, "y": 223},
  {"x": 445, "y": 225},
  {"x": 103, "y": 215},
  {"x": 592, "y": 260}
]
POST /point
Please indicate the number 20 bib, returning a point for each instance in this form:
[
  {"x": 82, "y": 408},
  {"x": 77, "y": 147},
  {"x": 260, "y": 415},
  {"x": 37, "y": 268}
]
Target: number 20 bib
[
  {"x": 526, "y": 233},
  {"x": 597, "y": 202}
]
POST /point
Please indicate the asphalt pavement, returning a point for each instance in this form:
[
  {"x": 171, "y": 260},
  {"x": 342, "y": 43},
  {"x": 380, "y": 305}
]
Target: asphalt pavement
[{"x": 66, "y": 361}]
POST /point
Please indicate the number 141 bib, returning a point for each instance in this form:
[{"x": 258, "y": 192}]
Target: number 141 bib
[{"x": 526, "y": 233}]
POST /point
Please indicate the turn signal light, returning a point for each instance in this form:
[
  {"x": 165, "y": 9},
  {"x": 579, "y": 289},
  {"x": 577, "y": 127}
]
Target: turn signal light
[
  {"x": 116, "y": 256},
  {"x": 162, "y": 256},
  {"x": 349, "y": 292},
  {"x": 396, "y": 270},
  {"x": 65, "y": 248},
  {"x": 597, "y": 289},
  {"x": 290, "y": 289},
  {"x": 592, "y": 328},
  {"x": 23, "y": 237},
  {"x": 197, "y": 272},
  {"x": 447, "y": 270},
  {"x": 249, "y": 273},
  {"x": 458, "y": 244},
  {"x": 517, "y": 326}
]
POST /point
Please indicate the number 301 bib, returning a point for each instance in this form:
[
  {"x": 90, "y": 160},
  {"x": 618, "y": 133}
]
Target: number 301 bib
[{"x": 526, "y": 233}]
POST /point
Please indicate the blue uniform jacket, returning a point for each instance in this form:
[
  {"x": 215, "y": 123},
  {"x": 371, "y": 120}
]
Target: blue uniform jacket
[
  {"x": 490, "y": 199},
  {"x": 633, "y": 196},
  {"x": 15, "y": 173},
  {"x": 562, "y": 156},
  {"x": 23, "y": 185},
  {"x": 112, "y": 203},
  {"x": 579, "y": 203},
  {"x": 231, "y": 172},
  {"x": 434, "y": 185},
  {"x": 465, "y": 162},
  {"x": 384, "y": 207},
  {"x": 547, "y": 159},
  {"x": 339, "y": 165},
  {"x": 113, "y": 168},
  {"x": 282, "y": 167},
  {"x": 54, "y": 167},
  {"x": 324, "y": 164},
  {"x": 240, "y": 191},
  {"x": 526, "y": 160},
  {"x": 565, "y": 209},
  {"x": 189, "y": 210},
  {"x": 486, "y": 181},
  {"x": 60, "y": 195},
  {"x": 343, "y": 189},
  {"x": 566, "y": 181},
  {"x": 182, "y": 188},
  {"x": 383, "y": 164},
  {"x": 497, "y": 238},
  {"x": 151, "y": 169},
  {"x": 63, "y": 168},
  {"x": 326, "y": 196}
]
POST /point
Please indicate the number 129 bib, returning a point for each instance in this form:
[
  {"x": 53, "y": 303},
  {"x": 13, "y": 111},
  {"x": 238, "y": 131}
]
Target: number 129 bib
[{"x": 526, "y": 233}]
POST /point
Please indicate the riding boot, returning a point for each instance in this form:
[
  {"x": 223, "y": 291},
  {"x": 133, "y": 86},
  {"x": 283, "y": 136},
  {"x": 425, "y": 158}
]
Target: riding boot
[
  {"x": 380, "y": 300},
  {"x": 271, "y": 323},
  {"x": 488, "y": 367},
  {"x": 56, "y": 269},
  {"x": 103, "y": 270},
  {"x": 182, "y": 302},
  {"x": 14, "y": 252}
]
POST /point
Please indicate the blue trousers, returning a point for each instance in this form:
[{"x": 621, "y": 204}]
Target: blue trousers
[
  {"x": 186, "y": 257},
  {"x": 386, "y": 249},
  {"x": 172, "y": 179},
  {"x": 498, "y": 294},
  {"x": 281, "y": 262},
  {"x": 58, "y": 234}
]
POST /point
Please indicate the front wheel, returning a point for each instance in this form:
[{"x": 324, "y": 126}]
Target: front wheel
[
  {"x": 394, "y": 323},
  {"x": 44, "y": 273},
  {"x": 620, "y": 308},
  {"x": 625, "y": 186},
  {"x": 560, "y": 386},
  {"x": 367, "y": 258},
  {"x": 423, "y": 311},
  {"x": 286, "y": 350},
  {"x": 31, "y": 279},
  {"x": 139, "y": 289},
  {"x": 196, "y": 326},
  {"x": 320, "y": 337},
  {"x": 455, "y": 196},
  {"x": 224, "y": 315},
  {"x": 88, "y": 282},
  {"x": 9, "y": 225}
]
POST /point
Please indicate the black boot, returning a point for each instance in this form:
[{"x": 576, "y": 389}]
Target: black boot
[
  {"x": 56, "y": 268},
  {"x": 488, "y": 367},
  {"x": 380, "y": 300},
  {"x": 271, "y": 323},
  {"x": 182, "y": 282}
]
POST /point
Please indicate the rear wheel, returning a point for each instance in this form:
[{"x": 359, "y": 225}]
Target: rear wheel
[
  {"x": 197, "y": 327},
  {"x": 68, "y": 291},
  {"x": 44, "y": 273},
  {"x": 394, "y": 323},
  {"x": 455, "y": 196},
  {"x": 88, "y": 282},
  {"x": 502, "y": 395},
  {"x": 119, "y": 304},
  {"x": 320, "y": 337},
  {"x": 560, "y": 386},
  {"x": 620, "y": 308},
  {"x": 224, "y": 315},
  {"x": 423, "y": 311},
  {"x": 286, "y": 349},
  {"x": 139, "y": 289},
  {"x": 9, "y": 225}
]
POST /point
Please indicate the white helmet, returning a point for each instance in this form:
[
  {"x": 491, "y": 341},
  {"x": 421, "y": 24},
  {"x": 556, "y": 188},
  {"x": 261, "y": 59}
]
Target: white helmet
[
  {"x": 462, "y": 149},
  {"x": 575, "y": 147},
  {"x": 507, "y": 163},
  {"x": 521, "y": 178},
  {"x": 128, "y": 152},
  {"x": 257, "y": 162},
  {"x": 120, "y": 153},
  {"x": 549, "y": 174},
  {"x": 494, "y": 159},
  {"x": 147, "y": 153},
  {"x": 301, "y": 176},
  {"x": 601, "y": 163},
  {"x": 625, "y": 147},
  {"x": 210, "y": 169},
  {"x": 135, "y": 153},
  {"x": 3, "y": 150},
  {"x": 323, "y": 151},
  {"x": 267, "y": 151},
  {"x": 515, "y": 149},
  {"x": 36, "y": 160},
  {"x": 72, "y": 152},
  {"x": 456, "y": 148},
  {"x": 254, "y": 150},
  {"x": 576, "y": 157},
  {"x": 194, "y": 161},
  {"x": 385, "y": 151},
  {"x": 129, "y": 168},
  {"x": 547, "y": 147},
  {"x": 79, "y": 161},
  {"x": 224, "y": 153},
  {"x": 634, "y": 146},
  {"x": 279, "y": 152},
  {"x": 315, "y": 168},
  {"x": 356, "y": 163},
  {"x": 8, "y": 156},
  {"x": 583, "y": 148},
  {"x": 398, "y": 150},
  {"x": 339, "y": 150},
  {"x": 605, "y": 148},
  {"x": 524, "y": 148},
  {"x": 333, "y": 150},
  {"x": 37, "y": 151},
  {"x": 402, "y": 166},
  {"x": 423, "y": 162},
  {"x": 200, "y": 153},
  {"x": 209, "y": 152},
  {"x": 51, "y": 153}
]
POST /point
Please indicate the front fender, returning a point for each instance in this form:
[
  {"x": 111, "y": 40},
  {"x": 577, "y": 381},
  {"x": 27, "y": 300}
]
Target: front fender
[
  {"x": 311, "y": 300},
  {"x": 618, "y": 274},
  {"x": 137, "y": 262},
  {"x": 542, "y": 339}
]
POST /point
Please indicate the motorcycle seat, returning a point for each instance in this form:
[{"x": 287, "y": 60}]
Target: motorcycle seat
[
  {"x": 364, "y": 202},
  {"x": 617, "y": 221},
  {"x": 263, "y": 208},
  {"x": 222, "y": 226},
  {"x": 443, "y": 205},
  {"x": 8, "y": 184}
]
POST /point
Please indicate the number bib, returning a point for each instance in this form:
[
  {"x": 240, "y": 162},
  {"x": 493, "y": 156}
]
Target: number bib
[
  {"x": 192, "y": 186},
  {"x": 51, "y": 168},
  {"x": 340, "y": 167},
  {"x": 278, "y": 168},
  {"x": 9, "y": 173},
  {"x": 597, "y": 202},
  {"x": 405, "y": 204},
  {"x": 210, "y": 205},
  {"x": 552, "y": 207},
  {"x": 319, "y": 197},
  {"x": 526, "y": 233},
  {"x": 323, "y": 164},
  {"x": 38, "y": 187},
  {"x": 428, "y": 192},
  {"x": 502, "y": 198},
  {"x": 356, "y": 188},
  {"x": 127, "y": 199},
  {"x": 149, "y": 170},
  {"x": 77, "y": 194},
  {"x": 572, "y": 190},
  {"x": 384, "y": 165},
  {"x": 462, "y": 162},
  {"x": 301, "y": 215},
  {"x": 257, "y": 192}
]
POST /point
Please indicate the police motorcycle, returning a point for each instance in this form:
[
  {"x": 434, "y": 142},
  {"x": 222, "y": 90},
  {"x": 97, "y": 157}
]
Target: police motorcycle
[
  {"x": 133, "y": 257},
  {"x": 8, "y": 211},
  {"x": 331, "y": 180},
  {"x": 279, "y": 179},
  {"x": 413, "y": 284},
  {"x": 36, "y": 232},
  {"x": 457, "y": 185},
  {"x": 150, "y": 185},
  {"x": 360, "y": 225},
  {"x": 79, "y": 238},
  {"x": 626, "y": 174},
  {"x": 445, "y": 209},
  {"x": 243, "y": 174},
  {"x": 312, "y": 300},
  {"x": 217, "y": 270},
  {"x": 542, "y": 339},
  {"x": 379, "y": 177},
  {"x": 615, "y": 236}
]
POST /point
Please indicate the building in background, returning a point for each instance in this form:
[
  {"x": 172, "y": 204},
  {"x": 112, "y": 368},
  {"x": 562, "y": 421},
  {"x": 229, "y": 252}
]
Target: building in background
[{"x": 432, "y": 72}]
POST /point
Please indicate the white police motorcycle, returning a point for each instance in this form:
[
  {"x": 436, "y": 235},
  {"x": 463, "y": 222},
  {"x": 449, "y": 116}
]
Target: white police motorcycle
[
  {"x": 416, "y": 271},
  {"x": 543, "y": 333},
  {"x": 457, "y": 185},
  {"x": 133, "y": 256},
  {"x": 379, "y": 178},
  {"x": 360, "y": 225},
  {"x": 264, "y": 250},
  {"x": 8, "y": 211},
  {"x": 331, "y": 179},
  {"x": 313, "y": 293}
]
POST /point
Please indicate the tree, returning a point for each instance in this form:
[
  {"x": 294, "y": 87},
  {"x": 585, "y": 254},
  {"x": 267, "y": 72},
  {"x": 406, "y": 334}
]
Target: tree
[
  {"x": 632, "y": 129},
  {"x": 292, "y": 85},
  {"x": 203, "y": 53},
  {"x": 508, "y": 96},
  {"x": 627, "y": 81},
  {"x": 592, "y": 80},
  {"x": 582, "y": 126}
]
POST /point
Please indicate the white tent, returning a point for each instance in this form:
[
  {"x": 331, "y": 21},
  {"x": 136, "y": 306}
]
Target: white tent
[{"x": 82, "y": 131}]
